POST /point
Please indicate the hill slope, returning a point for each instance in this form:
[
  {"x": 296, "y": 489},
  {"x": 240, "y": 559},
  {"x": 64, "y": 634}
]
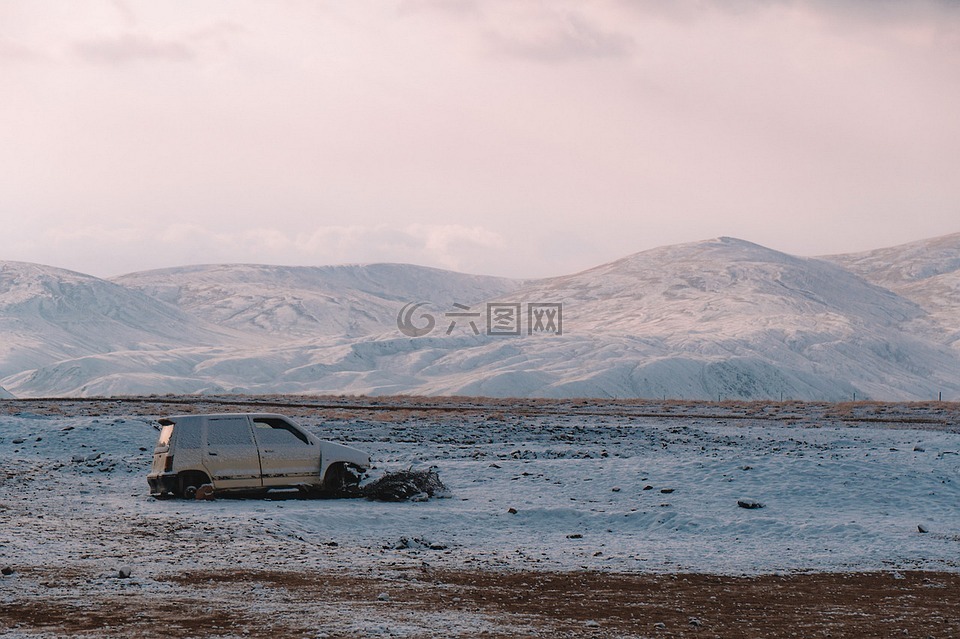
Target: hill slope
[
  {"x": 926, "y": 272},
  {"x": 49, "y": 314},
  {"x": 310, "y": 301}
]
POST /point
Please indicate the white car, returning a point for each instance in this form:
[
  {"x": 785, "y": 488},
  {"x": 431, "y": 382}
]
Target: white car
[{"x": 248, "y": 453}]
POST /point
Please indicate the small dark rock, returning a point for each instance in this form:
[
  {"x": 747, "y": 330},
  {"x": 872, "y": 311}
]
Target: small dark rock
[
  {"x": 575, "y": 536},
  {"x": 124, "y": 572},
  {"x": 922, "y": 528},
  {"x": 648, "y": 487},
  {"x": 666, "y": 491},
  {"x": 749, "y": 504},
  {"x": 7, "y": 571},
  {"x": 512, "y": 511}
]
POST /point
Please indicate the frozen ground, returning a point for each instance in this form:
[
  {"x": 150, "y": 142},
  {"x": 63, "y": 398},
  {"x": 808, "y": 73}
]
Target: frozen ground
[{"x": 595, "y": 488}]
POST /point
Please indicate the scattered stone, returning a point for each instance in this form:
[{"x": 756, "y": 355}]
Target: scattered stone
[
  {"x": 749, "y": 504},
  {"x": 512, "y": 511},
  {"x": 922, "y": 528},
  {"x": 590, "y": 623},
  {"x": 495, "y": 466},
  {"x": 575, "y": 536},
  {"x": 648, "y": 487},
  {"x": 124, "y": 572},
  {"x": 332, "y": 544},
  {"x": 615, "y": 489},
  {"x": 696, "y": 623},
  {"x": 416, "y": 543},
  {"x": 918, "y": 449},
  {"x": 666, "y": 491},
  {"x": 746, "y": 468},
  {"x": 19, "y": 440},
  {"x": 660, "y": 625},
  {"x": 383, "y": 597},
  {"x": 7, "y": 571}
]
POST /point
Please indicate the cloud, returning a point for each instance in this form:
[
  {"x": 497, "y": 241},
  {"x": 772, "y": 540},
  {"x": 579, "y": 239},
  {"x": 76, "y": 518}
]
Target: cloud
[
  {"x": 451, "y": 246},
  {"x": 564, "y": 38},
  {"x": 130, "y": 47},
  {"x": 455, "y": 8},
  {"x": 15, "y": 52}
]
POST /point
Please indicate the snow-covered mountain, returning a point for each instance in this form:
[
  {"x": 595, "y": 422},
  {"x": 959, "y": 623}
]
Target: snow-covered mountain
[
  {"x": 926, "y": 272},
  {"x": 721, "y": 318},
  {"x": 291, "y": 301},
  {"x": 49, "y": 314}
]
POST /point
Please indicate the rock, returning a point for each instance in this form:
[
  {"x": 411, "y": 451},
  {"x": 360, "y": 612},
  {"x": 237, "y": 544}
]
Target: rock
[
  {"x": 19, "y": 440},
  {"x": 592, "y": 624},
  {"x": 648, "y": 487},
  {"x": 575, "y": 536},
  {"x": 918, "y": 449},
  {"x": 749, "y": 504},
  {"x": 7, "y": 571},
  {"x": 383, "y": 597},
  {"x": 615, "y": 489},
  {"x": 922, "y": 528},
  {"x": 124, "y": 572},
  {"x": 660, "y": 625},
  {"x": 666, "y": 491},
  {"x": 696, "y": 623},
  {"x": 512, "y": 511}
]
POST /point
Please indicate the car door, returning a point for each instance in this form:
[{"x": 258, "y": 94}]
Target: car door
[
  {"x": 230, "y": 452},
  {"x": 287, "y": 455}
]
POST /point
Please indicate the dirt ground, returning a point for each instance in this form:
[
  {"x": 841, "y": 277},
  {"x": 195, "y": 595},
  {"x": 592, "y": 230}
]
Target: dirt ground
[{"x": 425, "y": 603}]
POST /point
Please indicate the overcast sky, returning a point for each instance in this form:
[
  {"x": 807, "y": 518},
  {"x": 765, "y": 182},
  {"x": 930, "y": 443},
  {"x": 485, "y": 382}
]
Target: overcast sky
[{"x": 521, "y": 138}]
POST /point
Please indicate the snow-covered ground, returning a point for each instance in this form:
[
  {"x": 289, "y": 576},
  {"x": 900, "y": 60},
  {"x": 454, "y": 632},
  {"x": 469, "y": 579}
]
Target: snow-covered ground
[{"x": 591, "y": 491}]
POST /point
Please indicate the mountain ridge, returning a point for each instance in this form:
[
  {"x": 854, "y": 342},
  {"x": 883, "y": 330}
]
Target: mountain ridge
[{"x": 719, "y": 318}]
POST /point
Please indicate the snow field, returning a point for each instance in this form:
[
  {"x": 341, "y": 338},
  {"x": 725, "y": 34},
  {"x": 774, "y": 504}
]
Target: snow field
[{"x": 74, "y": 493}]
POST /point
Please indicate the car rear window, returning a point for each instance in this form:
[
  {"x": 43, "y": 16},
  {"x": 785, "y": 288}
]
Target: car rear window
[{"x": 165, "y": 433}]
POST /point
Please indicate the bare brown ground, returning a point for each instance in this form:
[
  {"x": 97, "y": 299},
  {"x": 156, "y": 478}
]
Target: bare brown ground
[{"x": 517, "y": 604}]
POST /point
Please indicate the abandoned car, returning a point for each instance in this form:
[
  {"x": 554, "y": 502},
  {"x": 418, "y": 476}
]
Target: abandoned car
[{"x": 239, "y": 453}]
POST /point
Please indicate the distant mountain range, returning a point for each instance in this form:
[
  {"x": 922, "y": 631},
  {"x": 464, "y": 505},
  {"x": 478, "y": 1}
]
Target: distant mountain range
[{"x": 718, "y": 319}]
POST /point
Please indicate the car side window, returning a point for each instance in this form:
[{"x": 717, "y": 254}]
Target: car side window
[
  {"x": 228, "y": 432},
  {"x": 278, "y": 432},
  {"x": 188, "y": 435}
]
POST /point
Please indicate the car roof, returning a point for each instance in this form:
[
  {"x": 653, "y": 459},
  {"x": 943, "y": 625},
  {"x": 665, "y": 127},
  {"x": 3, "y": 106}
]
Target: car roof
[{"x": 191, "y": 416}]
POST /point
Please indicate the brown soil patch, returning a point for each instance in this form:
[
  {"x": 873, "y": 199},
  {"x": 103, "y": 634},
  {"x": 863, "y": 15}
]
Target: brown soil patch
[{"x": 272, "y": 604}]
